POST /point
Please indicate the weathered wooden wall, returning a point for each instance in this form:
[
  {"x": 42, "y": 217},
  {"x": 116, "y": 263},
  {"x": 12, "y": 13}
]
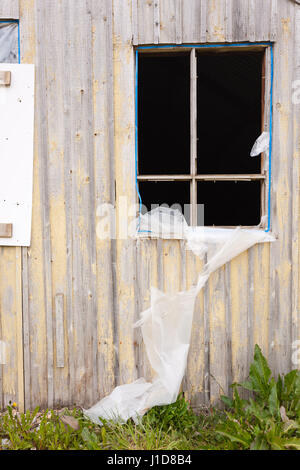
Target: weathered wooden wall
[
  {"x": 75, "y": 297},
  {"x": 9, "y": 9}
]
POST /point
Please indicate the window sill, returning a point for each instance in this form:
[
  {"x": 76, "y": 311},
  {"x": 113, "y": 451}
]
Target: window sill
[{"x": 215, "y": 233}]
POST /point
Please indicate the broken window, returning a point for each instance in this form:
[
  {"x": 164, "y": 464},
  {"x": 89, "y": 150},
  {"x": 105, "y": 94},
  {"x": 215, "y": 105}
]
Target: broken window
[
  {"x": 199, "y": 113},
  {"x": 9, "y": 42}
]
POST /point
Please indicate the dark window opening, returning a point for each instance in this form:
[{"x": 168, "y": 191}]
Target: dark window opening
[
  {"x": 229, "y": 112},
  {"x": 164, "y": 114},
  {"x": 170, "y": 193},
  {"x": 230, "y": 203},
  {"x": 199, "y": 114}
]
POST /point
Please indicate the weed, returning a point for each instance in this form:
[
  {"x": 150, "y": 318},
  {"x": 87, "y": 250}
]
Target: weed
[{"x": 270, "y": 419}]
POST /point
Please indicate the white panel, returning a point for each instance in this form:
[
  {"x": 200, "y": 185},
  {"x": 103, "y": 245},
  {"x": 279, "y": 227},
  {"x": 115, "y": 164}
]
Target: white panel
[{"x": 16, "y": 152}]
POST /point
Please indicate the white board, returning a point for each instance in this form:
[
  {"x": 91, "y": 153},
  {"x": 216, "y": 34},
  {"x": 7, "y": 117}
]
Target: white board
[{"x": 16, "y": 152}]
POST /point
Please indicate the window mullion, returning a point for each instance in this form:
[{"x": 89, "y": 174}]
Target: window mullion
[{"x": 193, "y": 117}]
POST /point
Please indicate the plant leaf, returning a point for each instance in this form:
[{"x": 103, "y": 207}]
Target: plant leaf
[
  {"x": 274, "y": 405},
  {"x": 227, "y": 401},
  {"x": 294, "y": 443},
  {"x": 260, "y": 374},
  {"x": 260, "y": 443},
  {"x": 234, "y": 438}
]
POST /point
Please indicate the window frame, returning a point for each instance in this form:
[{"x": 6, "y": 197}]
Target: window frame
[
  {"x": 266, "y": 108},
  {"x": 17, "y": 22}
]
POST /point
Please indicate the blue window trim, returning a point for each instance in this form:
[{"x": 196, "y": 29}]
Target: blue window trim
[
  {"x": 205, "y": 46},
  {"x": 19, "y": 39}
]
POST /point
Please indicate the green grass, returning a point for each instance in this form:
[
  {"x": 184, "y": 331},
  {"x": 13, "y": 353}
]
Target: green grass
[
  {"x": 162, "y": 428},
  {"x": 269, "y": 420}
]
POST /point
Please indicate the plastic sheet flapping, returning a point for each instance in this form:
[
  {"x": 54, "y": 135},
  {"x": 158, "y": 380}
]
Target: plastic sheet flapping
[
  {"x": 166, "y": 325},
  {"x": 261, "y": 144},
  {"x": 9, "y": 43}
]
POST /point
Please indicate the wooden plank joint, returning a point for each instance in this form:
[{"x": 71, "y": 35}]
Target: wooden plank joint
[
  {"x": 6, "y": 230},
  {"x": 5, "y": 78}
]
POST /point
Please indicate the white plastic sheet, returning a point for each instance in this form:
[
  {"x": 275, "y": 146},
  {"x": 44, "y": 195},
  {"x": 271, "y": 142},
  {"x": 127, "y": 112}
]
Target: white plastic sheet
[
  {"x": 166, "y": 325},
  {"x": 9, "y": 43},
  {"x": 261, "y": 144}
]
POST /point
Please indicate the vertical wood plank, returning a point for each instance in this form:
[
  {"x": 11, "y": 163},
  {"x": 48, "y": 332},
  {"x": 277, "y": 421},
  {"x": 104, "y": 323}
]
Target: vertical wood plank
[
  {"x": 156, "y": 22},
  {"x": 215, "y": 21},
  {"x": 228, "y": 319},
  {"x": 191, "y": 12},
  {"x": 35, "y": 367},
  {"x": 146, "y": 21},
  {"x": 56, "y": 189},
  {"x": 135, "y": 27},
  {"x": 171, "y": 265},
  {"x": 206, "y": 337},
  {"x": 203, "y": 21},
  {"x": 218, "y": 337},
  {"x": 193, "y": 384},
  {"x": 252, "y": 20},
  {"x": 262, "y": 19},
  {"x": 240, "y": 12},
  {"x": 82, "y": 183},
  {"x": 282, "y": 197},
  {"x": 26, "y": 329},
  {"x": 178, "y": 21},
  {"x": 228, "y": 20},
  {"x": 104, "y": 167},
  {"x": 125, "y": 186},
  {"x": 11, "y": 327},
  {"x": 251, "y": 303},
  {"x": 274, "y": 21},
  {"x": 295, "y": 327},
  {"x": 59, "y": 324},
  {"x": 45, "y": 203},
  {"x": 19, "y": 331},
  {"x": 71, "y": 303},
  {"x": 239, "y": 312},
  {"x": 168, "y": 21},
  {"x": 261, "y": 255},
  {"x": 146, "y": 278}
]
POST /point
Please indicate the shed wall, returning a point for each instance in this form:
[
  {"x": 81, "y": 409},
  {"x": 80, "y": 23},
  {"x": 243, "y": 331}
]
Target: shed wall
[
  {"x": 9, "y": 9},
  {"x": 72, "y": 297}
]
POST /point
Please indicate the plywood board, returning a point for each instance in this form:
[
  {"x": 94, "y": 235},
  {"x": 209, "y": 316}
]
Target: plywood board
[{"x": 16, "y": 152}]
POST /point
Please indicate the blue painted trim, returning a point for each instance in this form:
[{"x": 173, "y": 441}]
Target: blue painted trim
[
  {"x": 19, "y": 37},
  {"x": 271, "y": 138},
  {"x": 205, "y": 46},
  {"x": 19, "y": 42}
]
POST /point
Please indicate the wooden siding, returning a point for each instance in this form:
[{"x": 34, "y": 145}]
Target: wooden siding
[
  {"x": 200, "y": 21},
  {"x": 9, "y": 9},
  {"x": 73, "y": 297}
]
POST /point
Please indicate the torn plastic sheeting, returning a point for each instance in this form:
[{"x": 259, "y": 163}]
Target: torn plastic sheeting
[
  {"x": 9, "y": 43},
  {"x": 166, "y": 325},
  {"x": 261, "y": 144},
  {"x": 163, "y": 222}
]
